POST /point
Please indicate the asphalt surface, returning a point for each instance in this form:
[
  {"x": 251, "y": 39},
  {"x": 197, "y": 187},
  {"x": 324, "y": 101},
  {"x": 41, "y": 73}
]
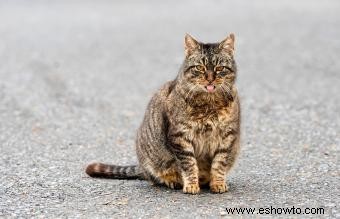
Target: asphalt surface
[{"x": 75, "y": 78}]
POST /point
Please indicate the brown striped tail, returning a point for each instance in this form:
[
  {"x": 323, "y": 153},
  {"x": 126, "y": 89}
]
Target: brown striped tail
[{"x": 101, "y": 170}]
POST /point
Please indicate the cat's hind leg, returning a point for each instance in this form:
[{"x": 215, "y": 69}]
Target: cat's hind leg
[{"x": 171, "y": 178}]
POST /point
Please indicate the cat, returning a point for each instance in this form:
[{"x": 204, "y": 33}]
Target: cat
[{"x": 190, "y": 134}]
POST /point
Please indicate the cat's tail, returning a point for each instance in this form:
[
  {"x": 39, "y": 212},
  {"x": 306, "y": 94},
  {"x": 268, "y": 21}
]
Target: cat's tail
[{"x": 101, "y": 170}]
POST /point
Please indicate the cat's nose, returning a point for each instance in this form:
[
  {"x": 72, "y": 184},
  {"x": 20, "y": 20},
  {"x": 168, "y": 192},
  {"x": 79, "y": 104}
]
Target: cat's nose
[{"x": 210, "y": 76}]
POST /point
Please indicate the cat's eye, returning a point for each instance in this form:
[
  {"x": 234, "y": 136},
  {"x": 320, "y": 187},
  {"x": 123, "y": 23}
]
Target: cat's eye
[
  {"x": 222, "y": 73},
  {"x": 219, "y": 68},
  {"x": 200, "y": 67}
]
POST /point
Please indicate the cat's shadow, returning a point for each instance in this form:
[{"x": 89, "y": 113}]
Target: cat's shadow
[{"x": 235, "y": 188}]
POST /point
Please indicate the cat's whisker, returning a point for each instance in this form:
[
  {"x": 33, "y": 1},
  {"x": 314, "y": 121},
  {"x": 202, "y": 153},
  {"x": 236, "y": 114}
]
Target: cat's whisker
[
  {"x": 227, "y": 92},
  {"x": 191, "y": 90}
]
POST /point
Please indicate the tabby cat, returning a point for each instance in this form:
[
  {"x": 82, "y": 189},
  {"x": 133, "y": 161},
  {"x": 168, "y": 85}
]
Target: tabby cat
[{"x": 191, "y": 130}]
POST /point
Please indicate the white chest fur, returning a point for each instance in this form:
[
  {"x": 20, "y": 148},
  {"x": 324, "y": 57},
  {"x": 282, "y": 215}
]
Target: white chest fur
[{"x": 206, "y": 138}]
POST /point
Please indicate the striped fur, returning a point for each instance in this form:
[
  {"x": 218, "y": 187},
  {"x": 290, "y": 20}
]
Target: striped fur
[
  {"x": 191, "y": 129},
  {"x": 113, "y": 171}
]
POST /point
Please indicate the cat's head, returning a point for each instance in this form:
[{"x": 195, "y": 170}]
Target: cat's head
[{"x": 209, "y": 68}]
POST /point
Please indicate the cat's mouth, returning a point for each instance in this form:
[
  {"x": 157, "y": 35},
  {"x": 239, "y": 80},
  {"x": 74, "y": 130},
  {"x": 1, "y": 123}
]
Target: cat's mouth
[{"x": 210, "y": 88}]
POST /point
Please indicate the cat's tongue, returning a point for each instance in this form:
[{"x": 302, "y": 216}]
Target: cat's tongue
[{"x": 210, "y": 88}]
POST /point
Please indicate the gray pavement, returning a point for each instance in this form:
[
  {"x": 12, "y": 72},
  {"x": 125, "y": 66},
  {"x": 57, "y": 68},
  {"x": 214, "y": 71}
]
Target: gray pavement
[{"x": 75, "y": 77}]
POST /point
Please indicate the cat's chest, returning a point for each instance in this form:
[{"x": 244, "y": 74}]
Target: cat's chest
[{"x": 207, "y": 134}]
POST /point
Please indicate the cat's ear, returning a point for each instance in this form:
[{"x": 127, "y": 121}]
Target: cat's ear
[
  {"x": 227, "y": 45},
  {"x": 190, "y": 45}
]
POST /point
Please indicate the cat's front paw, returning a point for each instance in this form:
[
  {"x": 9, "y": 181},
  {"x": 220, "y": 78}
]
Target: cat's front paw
[
  {"x": 218, "y": 187},
  {"x": 191, "y": 189}
]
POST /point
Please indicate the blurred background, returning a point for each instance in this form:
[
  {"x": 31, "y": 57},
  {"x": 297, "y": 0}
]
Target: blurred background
[{"x": 75, "y": 78}]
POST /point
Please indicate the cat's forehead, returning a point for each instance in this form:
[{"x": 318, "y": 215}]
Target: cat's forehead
[{"x": 210, "y": 54}]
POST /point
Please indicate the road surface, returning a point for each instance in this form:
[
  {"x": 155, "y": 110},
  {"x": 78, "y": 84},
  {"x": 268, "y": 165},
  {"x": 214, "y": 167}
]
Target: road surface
[{"x": 75, "y": 78}]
